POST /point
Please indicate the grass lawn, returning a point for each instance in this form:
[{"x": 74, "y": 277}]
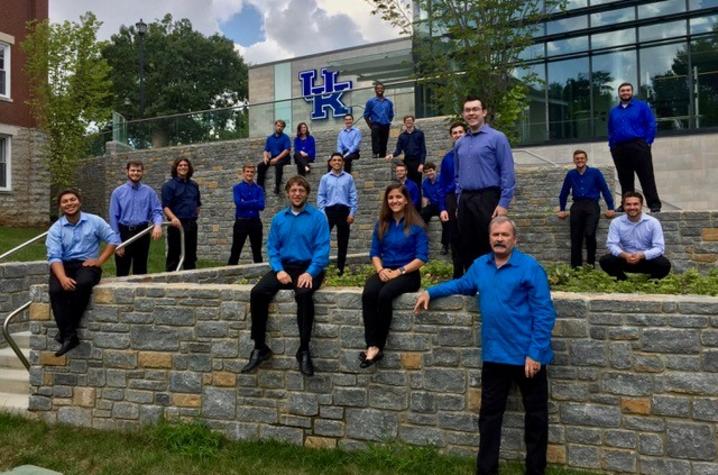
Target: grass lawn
[
  {"x": 11, "y": 237},
  {"x": 192, "y": 449}
]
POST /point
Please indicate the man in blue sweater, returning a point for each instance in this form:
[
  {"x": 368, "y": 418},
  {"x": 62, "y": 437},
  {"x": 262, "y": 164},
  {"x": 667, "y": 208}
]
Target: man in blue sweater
[
  {"x": 517, "y": 318},
  {"x": 631, "y": 130},
  {"x": 249, "y": 200},
  {"x": 298, "y": 250},
  {"x": 586, "y": 184}
]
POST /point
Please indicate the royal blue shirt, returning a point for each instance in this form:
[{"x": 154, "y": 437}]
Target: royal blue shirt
[
  {"x": 132, "y": 204},
  {"x": 483, "y": 159},
  {"x": 432, "y": 190},
  {"x": 586, "y": 185},
  {"x": 517, "y": 314},
  {"x": 305, "y": 144},
  {"x": 299, "y": 239},
  {"x": 414, "y": 193},
  {"x": 397, "y": 248},
  {"x": 447, "y": 180},
  {"x": 633, "y": 122},
  {"x": 412, "y": 145},
  {"x": 277, "y": 144},
  {"x": 348, "y": 141},
  {"x": 80, "y": 241},
  {"x": 182, "y": 197},
  {"x": 338, "y": 190},
  {"x": 379, "y": 111},
  {"x": 249, "y": 199}
]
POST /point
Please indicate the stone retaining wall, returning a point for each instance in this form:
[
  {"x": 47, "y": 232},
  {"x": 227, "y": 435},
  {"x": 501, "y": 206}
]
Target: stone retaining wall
[
  {"x": 15, "y": 281},
  {"x": 633, "y": 387}
]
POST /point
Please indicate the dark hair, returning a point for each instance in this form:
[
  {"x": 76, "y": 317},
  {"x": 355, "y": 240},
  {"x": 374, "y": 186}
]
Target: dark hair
[
  {"x": 400, "y": 164},
  {"x": 249, "y": 165},
  {"x": 135, "y": 163},
  {"x": 430, "y": 165},
  {"x": 411, "y": 215},
  {"x": 299, "y": 128},
  {"x": 298, "y": 180},
  {"x": 455, "y": 125},
  {"x": 471, "y": 98},
  {"x": 177, "y": 162},
  {"x": 407, "y": 116},
  {"x": 348, "y": 115},
  {"x": 624, "y": 84},
  {"x": 68, "y": 191},
  {"x": 336, "y": 154},
  {"x": 578, "y": 151},
  {"x": 280, "y": 121},
  {"x": 378, "y": 83},
  {"x": 632, "y": 194}
]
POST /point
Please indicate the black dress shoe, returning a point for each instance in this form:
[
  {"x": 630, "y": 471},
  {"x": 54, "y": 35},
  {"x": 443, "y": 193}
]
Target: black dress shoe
[
  {"x": 305, "y": 363},
  {"x": 369, "y": 362},
  {"x": 655, "y": 210},
  {"x": 256, "y": 358},
  {"x": 58, "y": 338},
  {"x": 362, "y": 355},
  {"x": 67, "y": 345}
]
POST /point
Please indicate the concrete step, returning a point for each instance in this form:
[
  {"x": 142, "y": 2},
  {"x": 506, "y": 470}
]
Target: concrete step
[
  {"x": 15, "y": 381},
  {"x": 22, "y": 339},
  {"x": 30, "y": 470},
  {"x": 13, "y": 402},
  {"x": 8, "y": 358}
]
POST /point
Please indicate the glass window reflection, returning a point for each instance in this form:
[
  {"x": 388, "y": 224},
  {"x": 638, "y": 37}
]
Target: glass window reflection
[
  {"x": 698, "y": 4},
  {"x": 608, "y": 71},
  {"x": 569, "y": 99},
  {"x": 612, "y": 17},
  {"x": 662, "y": 31},
  {"x": 661, "y": 8},
  {"x": 704, "y": 24},
  {"x": 613, "y": 38},
  {"x": 570, "y": 45},
  {"x": 664, "y": 84},
  {"x": 532, "y": 124},
  {"x": 704, "y": 59},
  {"x": 567, "y": 24}
]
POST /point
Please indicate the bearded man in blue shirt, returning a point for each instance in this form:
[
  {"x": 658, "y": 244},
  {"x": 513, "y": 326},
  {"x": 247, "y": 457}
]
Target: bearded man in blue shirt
[
  {"x": 298, "y": 250},
  {"x": 517, "y": 318}
]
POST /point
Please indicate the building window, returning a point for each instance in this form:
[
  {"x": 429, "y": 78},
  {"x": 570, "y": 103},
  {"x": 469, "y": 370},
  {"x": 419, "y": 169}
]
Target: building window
[
  {"x": 4, "y": 163},
  {"x": 4, "y": 70}
]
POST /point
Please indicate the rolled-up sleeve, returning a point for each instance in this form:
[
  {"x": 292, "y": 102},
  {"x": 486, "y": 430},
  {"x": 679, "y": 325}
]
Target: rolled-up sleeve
[{"x": 53, "y": 243}]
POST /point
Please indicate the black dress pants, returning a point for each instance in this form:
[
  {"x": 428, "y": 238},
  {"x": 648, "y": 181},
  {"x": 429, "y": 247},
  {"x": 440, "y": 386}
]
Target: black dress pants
[
  {"x": 337, "y": 216},
  {"x": 174, "y": 243},
  {"x": 379, "y": 138},
  {"x": 584, "y": 222},
  {"x": 617, "y": 267},
  {"x": 427, "y": 212},
  {"x": 635, "y": 156},
  {"x": 244, "y": 227},
  {"x": 278, "y": 173},
  {"x": 377, "y": 299},
  {"x": 302, "y": 163},
  {"x": 69, "y": 305},
  {"x": 412, "y": 171},
  {"x": 452, "y": 231},
  {"x": 496, "y": 381},
  {"x": 135, "y": 254},
  {"x": 265, "y": 290},
  {"x": 475, "y": 210}
]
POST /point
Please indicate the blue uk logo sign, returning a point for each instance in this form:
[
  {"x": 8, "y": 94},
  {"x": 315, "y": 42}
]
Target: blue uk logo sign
[{"x": 327, "y": 96}]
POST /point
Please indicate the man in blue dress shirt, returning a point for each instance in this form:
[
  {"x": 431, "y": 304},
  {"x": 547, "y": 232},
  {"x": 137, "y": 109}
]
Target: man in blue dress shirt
[
  {"x": 133, "y": 206},
  {"x": 400, "y": 172},
  {"x": 181, "y": 203},
  {"x": 276, "y": 153},
  {"x": 249, "y": 201},
  {"x": 430, "y": 201},
  {"x": 631, "y": 130},
  {"x": 517, "y": 318},
  {"x": 338, "y": 198},
  {"x": 586, "y": 184},
  {"x": 484, "y": 170},
  {"x": 348, "y": 142},
  {"x": 378, "y": 114},
  {"x": 73, "y": 246},
  {"x": 635, "y": 243},
  {"x": 447, "y": 200},
  {"x": 412, "y": 144},
  {"x": 298, "y": 250}
]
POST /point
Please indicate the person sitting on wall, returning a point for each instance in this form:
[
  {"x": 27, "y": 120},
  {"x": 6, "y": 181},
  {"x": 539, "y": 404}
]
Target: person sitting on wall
[
  {"x": 635, "y": 242},
  {"x": 348, "y": 143},
  {"x": 304, "y": 149},
  {"x": 298, "y": 250},
  {"x": 414, "y": 194},
  {"x": 181, "y": 203},
  {"x": 276, "y": 153},
  {"x": 399, "y": 247},
  {"x": 430, "y": 202},
  {"x": 73, "y": 245},
  {"x": 412, "y": 144},
  {"x": 249, "y": 201}
]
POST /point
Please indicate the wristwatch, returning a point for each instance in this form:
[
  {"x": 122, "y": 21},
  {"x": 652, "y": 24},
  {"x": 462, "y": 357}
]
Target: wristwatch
[{"x": 402, "y": 269}]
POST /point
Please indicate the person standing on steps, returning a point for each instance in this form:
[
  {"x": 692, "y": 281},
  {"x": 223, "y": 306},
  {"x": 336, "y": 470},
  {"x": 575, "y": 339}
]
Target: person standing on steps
[
  {"x": 378, "y": 114},
  {"x": 181, "y": 203},
  {"x": 447, "y": 200},
  {"x": 249, "y": 202}
]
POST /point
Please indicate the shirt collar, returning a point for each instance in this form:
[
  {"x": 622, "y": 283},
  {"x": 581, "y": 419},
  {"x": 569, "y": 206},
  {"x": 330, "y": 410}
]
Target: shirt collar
[
  {"x": 65, "y": 222},
  {"x": 134, "y": 186},
  {"x": 350, "y": 129},
  {"x": 644, "y": 217},
  {"x": 511, "y": 262},
  {"x": 343, "y": 172},
  {"x": 288, "y": 210},
  {"x": 484, "y": 128},
  {"x": 181, "y": 180}
]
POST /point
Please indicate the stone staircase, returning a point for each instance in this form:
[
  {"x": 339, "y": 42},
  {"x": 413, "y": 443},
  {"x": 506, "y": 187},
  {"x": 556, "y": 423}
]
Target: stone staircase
[{"x": 14, "y": 378}]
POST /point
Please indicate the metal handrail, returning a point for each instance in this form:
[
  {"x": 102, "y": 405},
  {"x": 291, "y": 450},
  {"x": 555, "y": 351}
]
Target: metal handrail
[
  {"x": 26, "y": 243},
  {"x": 147, "y": 230},
  {"x": 9, "y": 339}
]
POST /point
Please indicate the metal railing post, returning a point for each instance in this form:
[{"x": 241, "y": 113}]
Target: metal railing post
[
  {"x": 9, "y": 339},
  {"x": 149, "y": 229}
]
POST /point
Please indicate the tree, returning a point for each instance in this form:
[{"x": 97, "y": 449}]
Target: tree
[
  {"x": 70, "y": 85},
  {"x": 184, "y": 71},
  {"x": 464, "y": 47}
]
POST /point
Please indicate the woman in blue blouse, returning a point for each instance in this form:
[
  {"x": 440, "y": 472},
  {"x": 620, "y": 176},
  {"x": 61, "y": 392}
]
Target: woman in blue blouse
[
  {"x": 304, "y": 150},
  {"x": 399, "y": 247}
]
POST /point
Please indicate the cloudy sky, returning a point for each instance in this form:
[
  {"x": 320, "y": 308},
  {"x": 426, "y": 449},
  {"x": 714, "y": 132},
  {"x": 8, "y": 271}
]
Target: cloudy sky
[{"x": 263, "y": 30}]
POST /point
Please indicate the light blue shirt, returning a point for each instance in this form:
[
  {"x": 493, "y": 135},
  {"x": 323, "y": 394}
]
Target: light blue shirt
[
  {"x": 348, "y": 141},
  {"x": 132, "y": 204},
  {"x": 80, "y": 241},
  {"x": 645, "y": 236},
  {"x": 338, "y": 190}
]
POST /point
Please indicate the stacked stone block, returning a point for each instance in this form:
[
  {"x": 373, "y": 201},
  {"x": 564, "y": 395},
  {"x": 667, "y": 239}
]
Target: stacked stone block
[{"x": 16, "y": 278}]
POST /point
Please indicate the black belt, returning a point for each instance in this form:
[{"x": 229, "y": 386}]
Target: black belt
[
  {"x": 135, "y": 227},
  {"x": 480, "y": 190}
]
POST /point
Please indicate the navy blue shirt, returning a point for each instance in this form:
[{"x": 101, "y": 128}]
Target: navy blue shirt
[
  {"x": 447, "y": 180},
  {"x": 182, "y": 197},
  {"x": 414, "y": 193},
  {"x": 305, "y": 144},
  {"x": 277, "y": 144},
  {"x": 585, "y": 186},
  {"x": 412, "y": 145},
  {"x": 397, "y": 248},
  {"x": 432, "y": 191},
  {"x": 249, "y": 198},
  {"x": 633, "y": 122},
  {"x": 299, "y": 239}
]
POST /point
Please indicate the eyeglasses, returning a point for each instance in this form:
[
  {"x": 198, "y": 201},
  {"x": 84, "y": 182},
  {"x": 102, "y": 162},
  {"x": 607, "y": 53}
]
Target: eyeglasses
[{"x": 473, "y": 109}]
